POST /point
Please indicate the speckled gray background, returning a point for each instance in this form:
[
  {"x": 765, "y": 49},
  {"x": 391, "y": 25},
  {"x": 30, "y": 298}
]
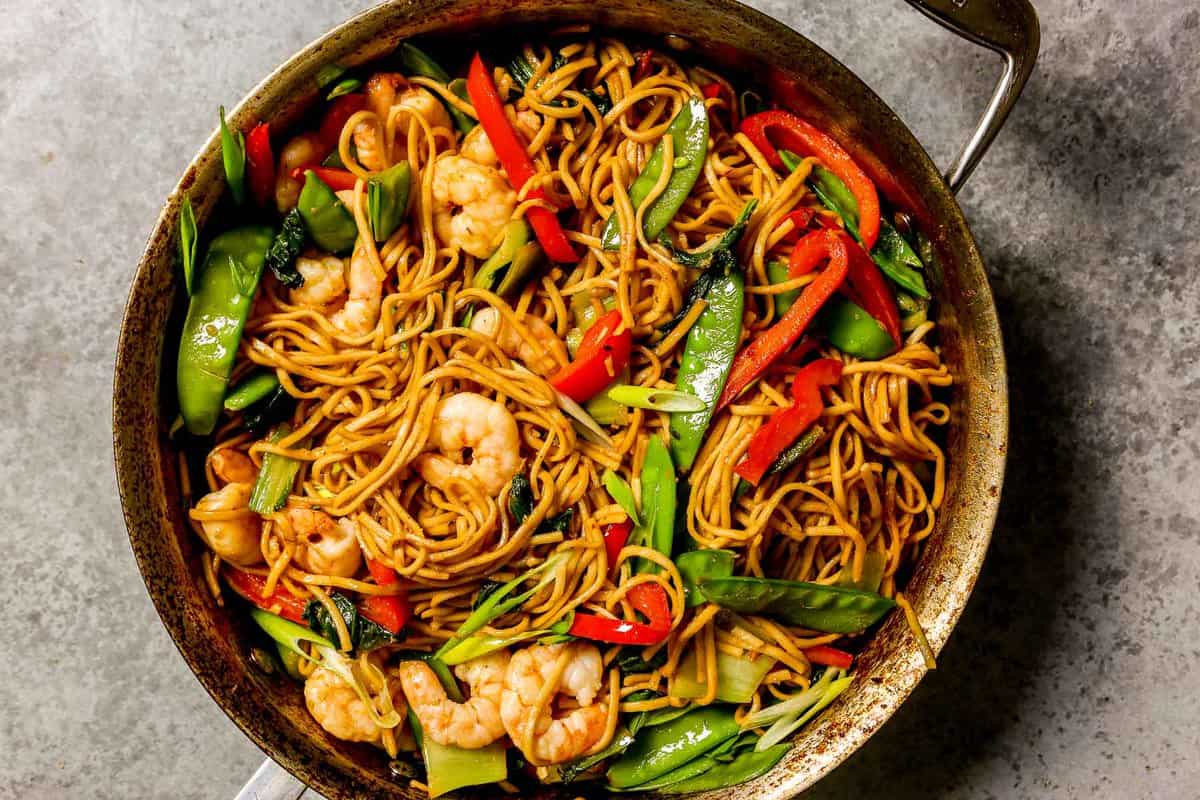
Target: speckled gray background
[{"x": 1074, "y": 673}]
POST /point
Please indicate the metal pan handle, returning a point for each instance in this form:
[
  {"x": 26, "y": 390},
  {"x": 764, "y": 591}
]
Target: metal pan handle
[
  {"x": 1010, "y": 28},
  {"x": 271, "y": 782}
]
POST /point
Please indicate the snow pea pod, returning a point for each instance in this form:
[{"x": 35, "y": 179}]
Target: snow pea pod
[
  {"x": 689, "y": 134},
  {"x": 831, "y": 609},
  {"x": 224, "y": 292},
  {"x": 329, "y": 222},
  {"x": 852, "y": 330},
  {"x": 664, "y": 748},
  {"x": 745, "y": 767},
  {"x": 696, "y": 564},
  {"x": 387, "y": 199},
  {"x": 251, "y": 390},
  {"x": 707, "y": 356},
  {"x": 657, "y": 528}
]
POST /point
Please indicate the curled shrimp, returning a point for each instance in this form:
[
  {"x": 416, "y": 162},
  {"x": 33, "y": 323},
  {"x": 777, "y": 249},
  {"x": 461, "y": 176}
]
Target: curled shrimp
[
  {"x": 300, "y": 151},
  {"x": 470, "y": 725},
  {"x": 554, "y": 737},
  {"x": 324, "y": 546},
  {"x": 478, "y": 443},
  {"x": 324, "y": 281},
  {"x": 236, "y": 536},
  {"x": 361, "y": 311},
  {"x": 545, "y": 354},
  {"x": 340, "y": 711},
  {"x": 328, "y": 282},
  {"x": 381, "y": 91},
  {"x": 232, "y": 466},
  {"x": 472, "y": 202}
]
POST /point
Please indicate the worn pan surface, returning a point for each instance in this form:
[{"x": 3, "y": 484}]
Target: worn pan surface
[{"x": 801, "y": 76}]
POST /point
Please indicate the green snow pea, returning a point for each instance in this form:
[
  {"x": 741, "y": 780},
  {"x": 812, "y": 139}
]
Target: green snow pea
[
  {"x": 387, "y": 199},
  {"x": 224, "y": 292},
  {"x": 689, "y": 134},
  {"x": 747, "y": 766},
  {"x": 253, "y": 388},
  {"x": 707, "y": 356},
  {"x": 696, "y": 564},
  {"x": 329, "y": 222},
  {"x": 852, "y": 330},
  {"x": 664, "y": 748},
  {"x": 831, "y": 609},
  {"x": 657, "y": 528}
]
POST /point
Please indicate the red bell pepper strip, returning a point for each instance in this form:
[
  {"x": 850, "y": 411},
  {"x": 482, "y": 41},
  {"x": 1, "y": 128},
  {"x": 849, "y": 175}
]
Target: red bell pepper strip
[
  {"x": 795, "y": 134},
  {"x": 252, "y": 587},
  {"x": 616, "y": 536},
  {"x": 516, "y": 162},
  {"x": 336, "y": 179},
  {"x": 869, "y": 289},
  {"x": 603, "y": 353},
  {"x": 772, "y": 343},
  {"x": 649, "y": 599},
  {"x": 391, "y": 611},
  {"x": 340, "y": 110},
  {"x": 786, "y": 424},
  {"x": 711, "y": 90},
  {"x": 801, "y": 218},
  {"x": 642, "y": 68},
  {"x": 828, "y": 656},
  {"x": 260, "y": 164}
]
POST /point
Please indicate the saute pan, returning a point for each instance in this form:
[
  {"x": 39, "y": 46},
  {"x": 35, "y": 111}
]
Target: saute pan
[{"x": 800, "y": 76}]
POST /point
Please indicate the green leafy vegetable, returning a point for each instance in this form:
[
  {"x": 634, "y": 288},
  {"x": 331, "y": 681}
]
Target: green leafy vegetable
[
  {"x": 275, "y": 407},
  {"x": 520, "y": 498},
  {"x": 559, "y": 523},
  {"x": 328, "y": 74},
  {"x": 187, "y": 242},
  {"x": 233, "y": 154},
  {"x": 717, "y": 251},
  {"x": 365, "y": 635},
  {"x": 632, "y": 661},
  {"x": 281, "y": 257},
  {"x": 737, "y": 677}
]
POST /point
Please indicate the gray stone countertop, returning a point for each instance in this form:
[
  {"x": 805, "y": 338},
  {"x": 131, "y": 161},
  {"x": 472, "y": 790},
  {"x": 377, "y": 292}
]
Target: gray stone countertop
[{"x": 1076, "y": 668}]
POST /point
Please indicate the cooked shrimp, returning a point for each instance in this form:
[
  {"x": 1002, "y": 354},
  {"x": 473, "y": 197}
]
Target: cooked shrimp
[
  {"x": 340, "y": 711},
  {"x": 544, "y": 355},
  {"x": 300, "y": 151},
  {"x": 324, "y": 281},
  {"x": 471, "y": 204},
  {"x": 232, "y": 466},
  {"x": 554, "y": 739},
  {"x": 238, "y": 538},
  {"x": 478, "y": 441},
  {"x": 361, "y": 311},
  {"x": 381, "y": 94},
  {"x": 323, "y": 546},
  {"x": 471, "y": 724}
]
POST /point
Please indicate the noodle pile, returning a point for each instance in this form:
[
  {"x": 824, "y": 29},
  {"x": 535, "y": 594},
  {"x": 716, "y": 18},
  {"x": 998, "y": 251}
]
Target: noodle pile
[{"x": 366, "y": 404}]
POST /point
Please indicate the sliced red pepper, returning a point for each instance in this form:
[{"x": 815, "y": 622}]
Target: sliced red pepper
[
  {"x": 828, "y": 656},
  {"x": 615, "y": 537},
  {"x": 252, "y": 588},
  {"x": 869, "y": 289},
  {"x": 391, "y": 611},
  {"x": 649, "y": 599},
  {"x": 786, "y": 424},
  {"x": 797, "y": 135},
  {"x": 772, "y": 343},
  {"x": 801, "y": 218},
  {"x": 337, "y": 179},
  {"x": 642, "y": 68},
  {"x": 603, "y": 353},
  {"x": 260, "y": 164},
  {"x": 516, "y": 162},
  {"x": 340, "y": 110},
  {"x": 711, "y": 90}
]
